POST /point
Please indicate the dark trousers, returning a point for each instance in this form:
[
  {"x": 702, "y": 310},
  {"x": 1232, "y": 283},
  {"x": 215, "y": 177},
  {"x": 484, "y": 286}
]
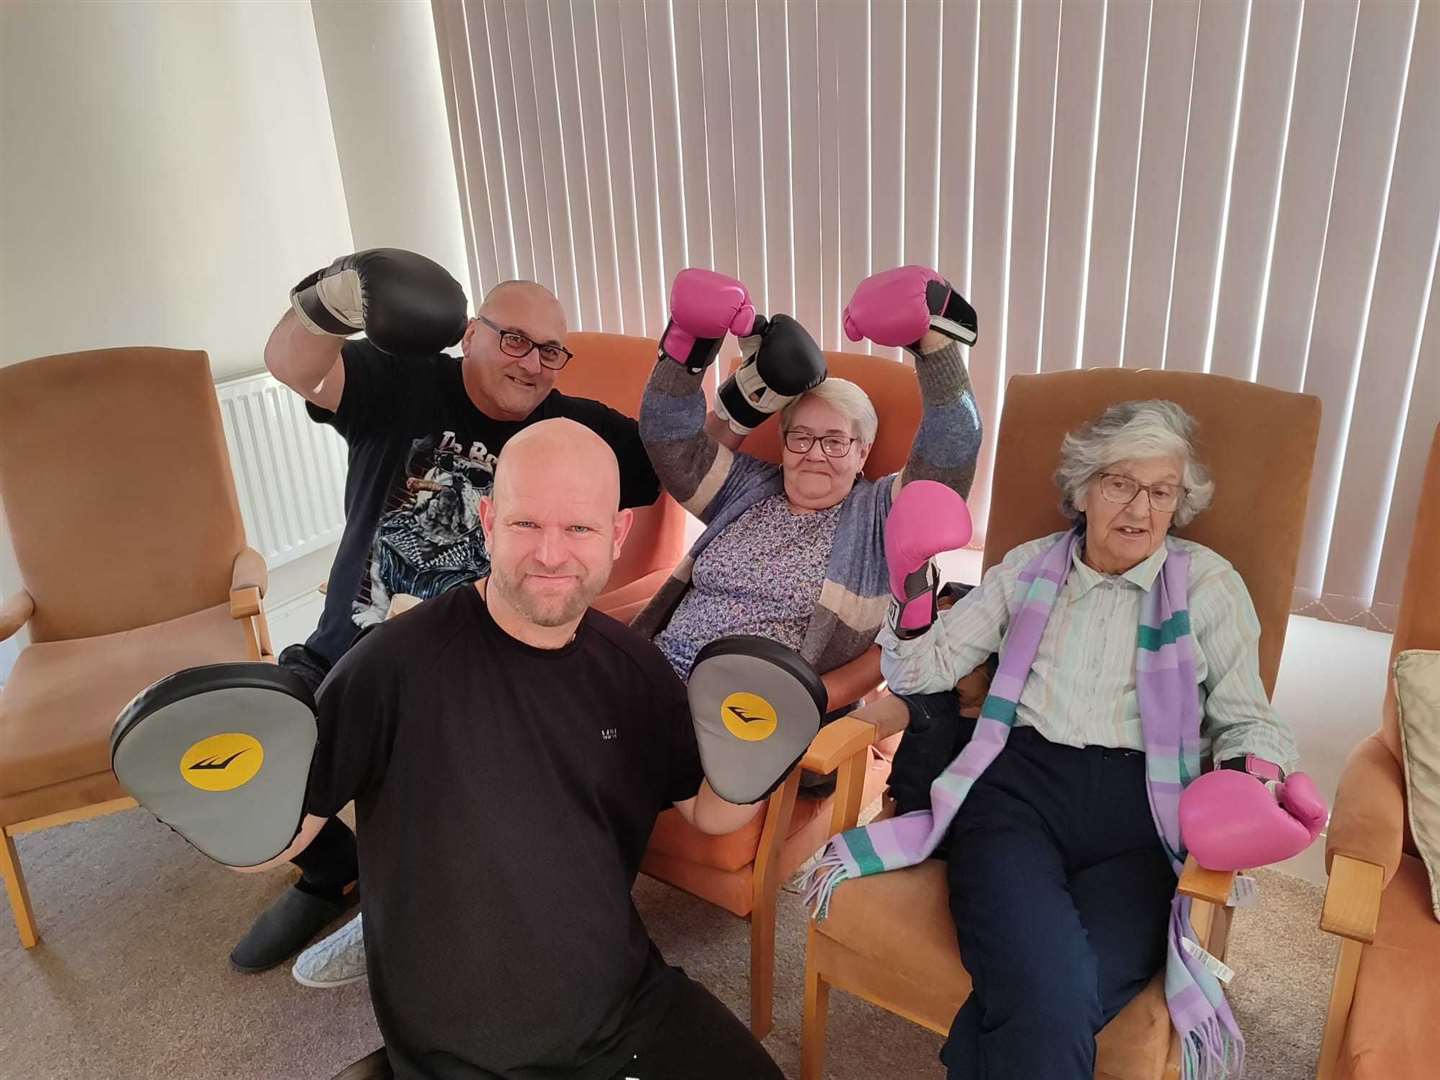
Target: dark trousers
[
  {"x": 1061, "y": 895},
  {"x": 330, "y": 862},
  {"x": 700, "y": 1039},
  {"x": 697, "y": 1039}
]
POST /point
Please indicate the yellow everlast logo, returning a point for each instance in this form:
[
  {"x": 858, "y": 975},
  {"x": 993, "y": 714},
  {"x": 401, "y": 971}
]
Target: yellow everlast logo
[
  {"x": 748, "y": 716},
  {"x": 222, "y": 762}
]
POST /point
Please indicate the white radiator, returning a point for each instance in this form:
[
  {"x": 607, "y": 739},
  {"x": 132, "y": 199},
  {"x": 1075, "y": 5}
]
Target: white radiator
[{"x": 289, "y": 471}]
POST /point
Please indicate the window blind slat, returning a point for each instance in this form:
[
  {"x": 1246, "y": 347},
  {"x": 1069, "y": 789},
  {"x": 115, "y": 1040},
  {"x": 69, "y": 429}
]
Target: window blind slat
[
  {"x": 751, "y": 161},
  {"x": 889, "y": 134},
  {"x": 579, "y": 217},
  {"x": 594, "y": 124},
  {"x": 693, "y": 142},
  {"x": 919, "y": 69},
  {"x": 551, "y": 149},
  {"x": 1162, "y": 152},
  {"x": 1117, "y": 159},
  {"x": 1270, "y": 64},
  {"x": 520, "y": 89},
  {"x": 1209, "y": 157},
  {"x": 999, "y": 48},
  {"x": 1030, "y": 214},
  {"x": 852, "y": 55},
  {"x": 959, "y": 44},
  {"x": 668, "y": 146},
  {"x": 629, "y": 316},
  {"x": 832, "y": 159},
  {"x": 1327, "y": 33},
  {"x": 457, "y": 80},
  {"x": 774, "y": 140},
  {"x": 807, "y": 202},
  {"x": 653, "y": 299},
  {"x": 1076, "y": 95},
  {"x": 719, "y": 136}
]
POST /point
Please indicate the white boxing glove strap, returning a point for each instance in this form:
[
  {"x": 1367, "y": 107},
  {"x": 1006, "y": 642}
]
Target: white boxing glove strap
[
  {"x": 342, "y": 299},
  {"x": 760, "y": 401}
]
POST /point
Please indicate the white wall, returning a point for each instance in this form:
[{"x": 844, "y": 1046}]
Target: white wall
[
  {"x": 382, "y": 70},
  {"x": 167, "y": 172}
]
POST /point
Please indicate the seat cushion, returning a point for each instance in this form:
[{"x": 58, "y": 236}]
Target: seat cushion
[
  {"x": 900, "y": 923},
  {"x": 62, "y": 698},
  {"x": 1392, "y": 1030},
  {"x": 1417, "y": 695}
]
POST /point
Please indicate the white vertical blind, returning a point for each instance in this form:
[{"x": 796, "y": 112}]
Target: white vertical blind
[{"x": 1246, "y": 187}]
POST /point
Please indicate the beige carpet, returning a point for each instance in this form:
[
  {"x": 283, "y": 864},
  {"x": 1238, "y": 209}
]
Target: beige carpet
[{"x": 130, "y": 980}]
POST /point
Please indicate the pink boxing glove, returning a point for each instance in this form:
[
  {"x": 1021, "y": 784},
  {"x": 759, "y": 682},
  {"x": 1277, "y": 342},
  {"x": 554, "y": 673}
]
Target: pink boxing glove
[
  {"x": 1233, "y": 819},
  {"x": 898, "y": 306},
  {"x": 704, "y": 307},
  {"x": 925, "y": 519}
]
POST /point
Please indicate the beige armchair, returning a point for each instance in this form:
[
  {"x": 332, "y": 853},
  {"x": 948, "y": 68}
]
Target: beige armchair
[
  {"x": 117, "y": 490},
  {"x": 1384, "y": 998}
]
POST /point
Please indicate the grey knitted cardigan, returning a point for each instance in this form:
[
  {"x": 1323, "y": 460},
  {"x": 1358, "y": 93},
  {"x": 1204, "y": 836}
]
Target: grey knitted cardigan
[{"x": 718, "y": 486}]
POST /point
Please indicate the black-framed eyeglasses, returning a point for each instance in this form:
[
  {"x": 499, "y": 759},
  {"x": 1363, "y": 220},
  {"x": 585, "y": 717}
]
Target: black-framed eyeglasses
[
  {"x": 1119, "y": 488},
  {"x": 799, "y": 442},
  {"x": 513, "y": 343}
]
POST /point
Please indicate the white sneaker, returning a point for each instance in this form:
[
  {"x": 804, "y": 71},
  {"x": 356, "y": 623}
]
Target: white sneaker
[{"x": 337, "y": 960}]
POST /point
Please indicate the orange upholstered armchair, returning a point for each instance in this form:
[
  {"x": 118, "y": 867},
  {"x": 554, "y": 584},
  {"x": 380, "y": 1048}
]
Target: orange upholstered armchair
[
  {"x": 742, "y": 872},
  {"x": 117, "y": 489},
  {"x": 614, "y": 368},
  {"x": 1260, "y": 444},
  {"x": 1384, "y": 999}
]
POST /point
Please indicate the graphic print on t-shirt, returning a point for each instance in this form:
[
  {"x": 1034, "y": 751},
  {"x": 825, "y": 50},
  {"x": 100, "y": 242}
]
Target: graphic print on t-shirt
[{"x": 429, "y": 538}]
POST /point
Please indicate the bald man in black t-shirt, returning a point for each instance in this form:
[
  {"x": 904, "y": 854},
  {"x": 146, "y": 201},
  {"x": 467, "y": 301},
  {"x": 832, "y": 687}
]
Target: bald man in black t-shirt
[{"x": 508, "y": 751}]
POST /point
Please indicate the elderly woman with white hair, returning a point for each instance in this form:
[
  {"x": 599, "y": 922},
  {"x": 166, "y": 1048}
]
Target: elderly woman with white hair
[
  {"x": 795, "y": 552},
  {"x": 1127, "y": 660}
]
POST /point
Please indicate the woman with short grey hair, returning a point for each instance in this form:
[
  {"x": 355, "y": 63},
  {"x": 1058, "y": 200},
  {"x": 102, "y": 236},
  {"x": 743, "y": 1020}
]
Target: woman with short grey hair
[
  {"x": 1128, "y": 657},
  {"x": 847, "y": 399},
  {"x": 794, "y": 552}
]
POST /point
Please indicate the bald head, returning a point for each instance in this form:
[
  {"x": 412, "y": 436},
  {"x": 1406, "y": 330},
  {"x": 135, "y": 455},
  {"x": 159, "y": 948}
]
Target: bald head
[
  {"x": 558, "y": 453},
  {"x": 519, "y": 294}
]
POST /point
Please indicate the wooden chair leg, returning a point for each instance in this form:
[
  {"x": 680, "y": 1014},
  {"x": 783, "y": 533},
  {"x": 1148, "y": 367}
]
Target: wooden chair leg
[
  {"x": 1342, "y": 996},
  {"x": 19, "y": 894},
  {"x": 817, "y": 1004},
  {"x": 766, "y": 886},
  {"x": 762, "y": 966}
]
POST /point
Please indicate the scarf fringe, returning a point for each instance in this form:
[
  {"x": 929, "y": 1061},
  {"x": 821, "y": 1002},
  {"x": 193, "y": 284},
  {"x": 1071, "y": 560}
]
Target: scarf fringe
[
  {"x": 820, "y": 883},
  {"x": 1210, "y": 1052}
]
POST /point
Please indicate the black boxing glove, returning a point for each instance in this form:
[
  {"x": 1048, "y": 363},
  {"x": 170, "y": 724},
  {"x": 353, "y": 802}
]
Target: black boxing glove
[
  {"x": 405, "y": 303},
  {"x": 781, "y": 363}
]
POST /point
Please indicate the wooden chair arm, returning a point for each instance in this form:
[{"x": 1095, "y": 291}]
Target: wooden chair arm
[
  {"x": 249, "y": 571},
  {"x": 1352, "y": 899},
  {"x": 887, "y": 715},
  {"x": 15, "y": 612},
  {"x": 850, "y": 682},
  {"x": 245, "y": 602},
  {"x": 837, "y": 742},
  {"x": 1199, "y": 883}
]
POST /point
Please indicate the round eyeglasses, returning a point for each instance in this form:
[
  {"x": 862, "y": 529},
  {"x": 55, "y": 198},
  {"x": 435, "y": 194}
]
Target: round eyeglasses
[{"x": 1119, "y": 488}]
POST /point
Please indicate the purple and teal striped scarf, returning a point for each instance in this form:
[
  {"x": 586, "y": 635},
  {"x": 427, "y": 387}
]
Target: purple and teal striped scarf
[{"x": 1211, "y": 1044}]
